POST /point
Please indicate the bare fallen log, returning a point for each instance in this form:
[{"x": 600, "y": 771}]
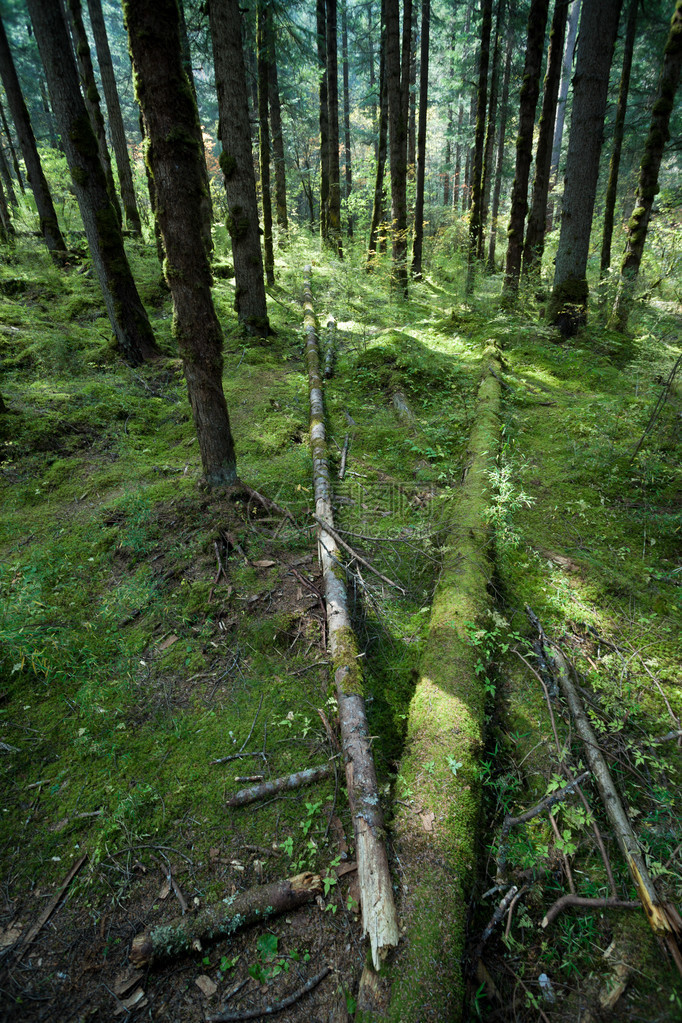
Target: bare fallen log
[
  {"x": 187, "y": 933},
  {"x": 331, "y": 345},
  {"x": 376, "y": 891},
  {"x": 285, "y": 784}
]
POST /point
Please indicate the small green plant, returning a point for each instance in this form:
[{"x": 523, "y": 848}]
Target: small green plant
[{"x": 454, "y": 764}]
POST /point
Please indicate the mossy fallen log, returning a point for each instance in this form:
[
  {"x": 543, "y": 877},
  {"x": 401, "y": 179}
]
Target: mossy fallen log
[{"x": 437, "y": 834}]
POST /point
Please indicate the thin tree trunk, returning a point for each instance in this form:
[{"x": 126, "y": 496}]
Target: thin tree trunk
[
  {"x": 236, "y": 162},
  {"x": 175, "y": 156},
  {"x": 7, "y": 178},
  {"x": 449, "y": 131},
  {"x": 206, "y": 201},
  {"x": 647, "y": 186},
  {"x": 13, "y": 154},
  {"x": 397, "y": 124},
  {"x": 418, "y": 243},
  {"x": 488, "y": 152},
  {"x": 264, "y": 137},
  {"x": 618, "y": 132},
  {"x": 49, "y": 120},
  {"x": 567, "y": 307},
  {"x": 379, "y": 198},
  {"x": 151, "y": 189},
  {"x": 476, "y": 219},
  {"x": 126, "y": 313},
  {"x": 49, "y": 226},
  {"x": 412, "y": 130},
  {"x": 118, "y": 135},
  {"x": 499, "y": 163},
  {"x": 456, "y": 182},
  {"x": 6, "y": 226},
  {"x": 535, "y": 230},
  {"x": 324, "y": 118},
  {"x": 346, "y": 111},
  {"x": 277, "y": 140},
  {"x": 334, "y": 214},
  {"x": 566, "y": 72}
]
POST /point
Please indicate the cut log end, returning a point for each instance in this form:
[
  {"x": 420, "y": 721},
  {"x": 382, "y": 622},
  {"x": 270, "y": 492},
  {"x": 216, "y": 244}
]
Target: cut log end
[{"x": 142, "y": 952}]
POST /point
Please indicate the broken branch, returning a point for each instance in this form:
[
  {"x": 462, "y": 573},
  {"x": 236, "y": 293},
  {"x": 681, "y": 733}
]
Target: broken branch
[
  {"x": 354, "y": 554},
  {"x": 285, "y": 784},
  {"x": 577, "y": 900},
  {"x": 270, "y": 1010}
]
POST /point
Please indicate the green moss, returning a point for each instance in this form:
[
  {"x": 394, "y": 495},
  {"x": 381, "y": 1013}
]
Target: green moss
[
  {"x": 228, "y": 164},
  {"x": 83, "y": 138}
]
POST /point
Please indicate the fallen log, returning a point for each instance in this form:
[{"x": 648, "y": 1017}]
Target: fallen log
[
  {"x": 285, "y": 784},
  {"x": 379, "y": 918},
  {"x": 331, "y": 345},
  {"x": 187, "y": 933}
]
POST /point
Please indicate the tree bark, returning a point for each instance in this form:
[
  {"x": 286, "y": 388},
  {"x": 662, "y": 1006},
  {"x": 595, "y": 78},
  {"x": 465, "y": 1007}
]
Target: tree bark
[
  {"x": 236, "y": 162},
  {"x": 412, "y": 100},
  {"x": 206, "y": 201},
  {"x": 324, "y": 118},
  {"x": 7, "y": 178},
  {"x": 476, "y": 219},
  {"x": 566, "y": 71},
  {"x": 263, "y": 15},
  {"x": 346, "y": 111},
  {"x": 175, "y": 161},
  {"x": 334, "y": 212},
  {"x": 618, "y": 132},
  {"x": 456, "y": 182},
  {"x": 535, "y": 230},
  {"x": 418, "y": 242},
  {"x": 118, "y": 135},
  {"x": 397, "y": 133},
  {"x": 647, "y": 186},
  {"x": 49, "y": 225},
  {"x": 488, "y": 152},
  {"x": 379, "y": 190},
  {"x": 499, "y": 162},
  {"x": 530, "y": 90},
  {"x": 567, "y": 307},
  {"x": 125, "y": 310},
  {"x": 6, "y": 226},
  {"x": 277, "y": 139},
  {"x": 13, "y": 154}
]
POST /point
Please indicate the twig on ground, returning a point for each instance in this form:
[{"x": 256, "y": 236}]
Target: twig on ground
[
  {"x": 344, "y": 456},
  {"x": 285, "y": 784},
  {"x": 270, "y": 1010},
  {"x": 577, "y": 900},
  {"x": 564, "y": 857},
  {"x": 354, "y": 554},
  {"x": 543, "y": 1015},
  {"x": 511, "y": 909},
  {"x": 51, "y": 906},
  {"x": 253, "y": 725},
  {"x": 237, "y": 756}
]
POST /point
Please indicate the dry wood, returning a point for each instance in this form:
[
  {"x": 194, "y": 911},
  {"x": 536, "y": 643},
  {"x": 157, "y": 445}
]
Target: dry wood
[
  {"x": 577, "y": 900},
  {"x": 344, "y": 456},
  {"x": 255, "y": 905},
  {"x": 285, "y": 784},
  {"x": 327, "y": 527},
  {"x": 270, "y": 1010},
  {"x": 331, "y": 344},
  {"x": 376, "y": 892},
  {"x": 52, "y": 905}
]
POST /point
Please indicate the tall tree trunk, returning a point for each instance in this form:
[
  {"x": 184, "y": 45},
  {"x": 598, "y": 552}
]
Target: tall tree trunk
[
  {"x": 449, "y": 131},
  {"x": 126, "y": 312},
  {"x": 379, "y": 197},
  {"x": 151, "y": 189},
  {"x": 7, "y": 178},
  {"x": 568, "y": 303},
  {"x": 397, "y": 131},
  {"x": 236, "y": 162},
  {"x": 499, "y": 162},
  {"x": 49, "y": 226},
  {"x": 566, "y": 72},
  {"x": 13, "y": 154},
  {"x": 618, "y": 132},
  {"x": 118, "y": 135},
  {"x": 418, "y": 243},
  {"x": 91, "y": 96},
  {"x": 172, "y": 126},
  {"x": 535, "y": 231},
  {"x": 456, "y": 181},
  {"x": 476, "y": 219},
  {"x": 334, "y": 214},
  {"x": 488, "y": 152},
  {"x": 264, "y": 137},
  {"x": 412, "y": 129},
  {"x": 346, "y": 111},
  {"x": 647, "y": 186},
  {"x": 49, "y": 120},
  {"x": 530, "y": 90},
  {"x": 277, "y": 139},
  {"x": 324, "y": 118},
  {"x": 6, "y": 226},
  {"x": 206, "y": 201}
]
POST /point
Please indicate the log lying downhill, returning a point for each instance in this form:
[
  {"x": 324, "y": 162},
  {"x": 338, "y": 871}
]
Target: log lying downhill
[
  {"x": 376, "y": 893},
  {"x": 187, "y": 933}
]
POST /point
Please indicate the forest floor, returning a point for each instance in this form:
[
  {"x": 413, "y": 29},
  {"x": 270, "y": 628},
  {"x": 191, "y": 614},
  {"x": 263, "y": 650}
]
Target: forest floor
[{"x": 130, "y": 664}]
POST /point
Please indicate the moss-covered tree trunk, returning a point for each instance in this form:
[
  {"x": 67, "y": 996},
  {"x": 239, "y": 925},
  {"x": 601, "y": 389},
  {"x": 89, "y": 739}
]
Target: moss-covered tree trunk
[
  {"x": 263, "y": 17},
  {"x": 530, "y": 90},
  {"x": 397, "y": 134},
  {"x": 499, "y": 160},
  {"x": 618, "y": 132},
  {"x": 236, "y": 162},
  {"x": 91, "y": 96},
  {"x": 566, "y": 74},
  {"x": 567, "y": 307},
  {"x": 206, "y": 201},
  {"x": 49, "y": 225},
  {"x": 12, "y": 150},
  {"x": 175, "y": 161},
  {"x": 125, "y": 310},
  {"x": 7, "y": 178},
  {"x": 476, "y": 218},
  {"x": 348, "y": 170},
  {"x": 489, "y": 148},
  {"x": 418, "y": 242},
  {"x": 118, "y": 135},
  {"x": 277, "y": 139},
  {"x": 647, "y": 186},
  {"x": 379, "y": 190},
  {"x": 6, "y": 227},
  {"x": 334, "y": 212},
  {"x": 321, "y": 10},
  {"x": 537, "y": 219}
]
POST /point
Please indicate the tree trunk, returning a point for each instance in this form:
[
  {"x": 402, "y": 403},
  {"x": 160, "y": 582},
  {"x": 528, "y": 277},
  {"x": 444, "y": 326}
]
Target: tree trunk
[
  {"x": 91, "y": 96},
  {"x": 449, "y": 132},
  {"x": 277, "y": 140},
  {"x": 488, "y": 153},
  {"x": 49, "y": 225},
  {"x": 6, "y": 226},
  {"x": 13, "y": 154},
  {"x": 530, "y": 90},
  {"x": 346, "y": 111},
  {"x": 476, "y": 219},
  {"x": 206, "y": 201},
  {"x": 175, "y": 158},
  {"x": 151, "y": 189},
  {"x": 567, "y": 307},
  {"x": 324, "y": 118},
  {"x": 236, "y": 162},
  {"x": 421, "y": 141},
  {"x": 456, "y": 182},
  {"x": 397, "y": 131},
  {"x": 535, "y": 231},
  {"x": 264, "y": 137},
  {"x": 499, "y": 162},
  {"x": 334, "y": 213},
  {"x": 412, "y": 100},
  {"x": 126, "y": 312},
  {"x": 379, "y": 197},
  {"x": 618, "y": 132},
  {"x": 118, "y": 135},
  {"x": 566, "y": 71},
  {"x": 7, "y": 178},
  {"x": 49, "y": 120},
  {"x": 647, "y": 186}
]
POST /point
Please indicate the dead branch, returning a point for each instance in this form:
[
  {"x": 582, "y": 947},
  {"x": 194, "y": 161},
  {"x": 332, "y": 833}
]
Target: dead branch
[
  {"x": 270, "y": 1010},
  {"x": 577, "y": 900},
  {"x": 285, "y": 784},
  {"x": 344, "y": 456},
  {"x": 186, "y": 933},
  {"x": 51, "y": 906},
  {"x": 331, "y": 344},
  {"x": 354, "y": 554}
]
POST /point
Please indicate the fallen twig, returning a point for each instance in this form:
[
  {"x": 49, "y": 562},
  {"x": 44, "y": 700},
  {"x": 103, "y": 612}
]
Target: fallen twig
[
  {"x": 285, "y": 784},
  {"x": 237, "y": 756},
  {"x": 270, "y": 1010},
  {"x": 577, "y": 900},
  {"x": 51, "y": 906},
  {"x": 354, "y": 554},
  {"x": 344, "y": 456}
]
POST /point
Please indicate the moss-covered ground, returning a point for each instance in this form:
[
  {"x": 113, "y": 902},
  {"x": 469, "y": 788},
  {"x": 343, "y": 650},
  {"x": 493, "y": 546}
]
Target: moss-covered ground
[{"x": 130, "y": 664}]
